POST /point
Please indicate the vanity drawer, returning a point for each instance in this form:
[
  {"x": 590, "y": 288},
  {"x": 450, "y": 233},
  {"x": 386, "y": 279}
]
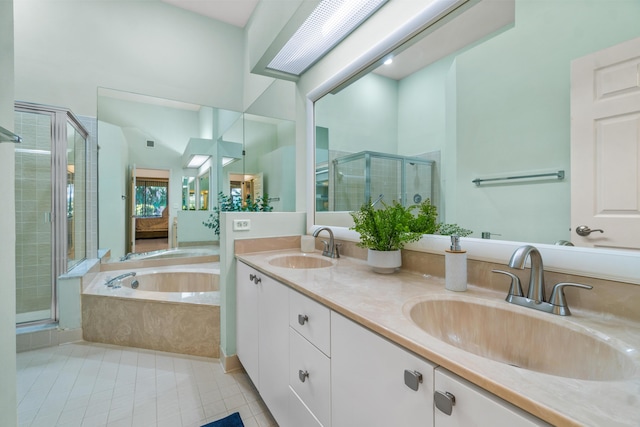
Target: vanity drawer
[
  {"x": 311, "y": 319},
  {"x": 299, "y": 414},
  {"x": 310, "y": 376}
]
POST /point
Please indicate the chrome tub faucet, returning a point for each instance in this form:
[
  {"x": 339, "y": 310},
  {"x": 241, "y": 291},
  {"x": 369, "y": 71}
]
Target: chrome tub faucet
[{"x": 111, "y": 283}]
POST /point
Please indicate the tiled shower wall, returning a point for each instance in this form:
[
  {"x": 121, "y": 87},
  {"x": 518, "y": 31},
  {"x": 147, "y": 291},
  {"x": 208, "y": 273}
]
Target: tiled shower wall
[{"x": 33, "y": 205}]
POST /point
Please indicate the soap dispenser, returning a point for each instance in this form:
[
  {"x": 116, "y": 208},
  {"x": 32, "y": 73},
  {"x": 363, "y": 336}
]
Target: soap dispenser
[{"x": 455, "y": 264}]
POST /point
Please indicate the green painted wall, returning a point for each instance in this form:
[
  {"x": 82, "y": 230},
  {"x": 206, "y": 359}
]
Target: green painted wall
[
  {"x": 363, "y": 116},
  {"x": 502, "y": 108},
  {"x": 513, "y": 112}
]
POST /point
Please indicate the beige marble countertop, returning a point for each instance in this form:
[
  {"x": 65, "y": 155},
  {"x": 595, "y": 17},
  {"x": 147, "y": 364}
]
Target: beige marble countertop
[{"x": 382, "y": 302}]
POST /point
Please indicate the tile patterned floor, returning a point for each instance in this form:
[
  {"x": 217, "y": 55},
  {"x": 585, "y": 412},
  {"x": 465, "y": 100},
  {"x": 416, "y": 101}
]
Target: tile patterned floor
[{"x": 91, "y": 385}]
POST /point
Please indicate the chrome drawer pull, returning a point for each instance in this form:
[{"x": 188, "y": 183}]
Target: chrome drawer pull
[
  {"x": 303, "y": 318},
  {"x": 444, "y": 401},
  {"x": 412, "y": 379}
]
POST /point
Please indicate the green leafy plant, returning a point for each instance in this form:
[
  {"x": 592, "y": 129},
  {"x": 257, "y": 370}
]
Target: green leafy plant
[
  {"x": 451, "y": 229},
  {"x": 393, "y": 226},
  {"x": 235, "y": 204}
]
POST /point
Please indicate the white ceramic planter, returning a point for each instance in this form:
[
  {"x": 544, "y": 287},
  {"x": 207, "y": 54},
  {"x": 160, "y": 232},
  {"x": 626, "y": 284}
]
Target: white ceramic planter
[{"x": 384, "y": 262}]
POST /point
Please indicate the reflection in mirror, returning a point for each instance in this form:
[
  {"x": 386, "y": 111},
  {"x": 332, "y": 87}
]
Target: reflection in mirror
[
  {"x": 270, "y": 161},
  {"x": 203, "y": 191},
  {"x": 139, "y": 131},
  {"x": 499, "y": 106},
  {"x": 76, "y": 203}
]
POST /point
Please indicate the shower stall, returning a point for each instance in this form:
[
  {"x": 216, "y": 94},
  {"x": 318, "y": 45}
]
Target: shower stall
[
  {"x": 51, "y": 214},
  {"x": 367, "y": 175}
]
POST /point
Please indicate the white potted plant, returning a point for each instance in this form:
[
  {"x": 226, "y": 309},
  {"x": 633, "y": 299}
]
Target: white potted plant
[{"x": 385, "y": 231}]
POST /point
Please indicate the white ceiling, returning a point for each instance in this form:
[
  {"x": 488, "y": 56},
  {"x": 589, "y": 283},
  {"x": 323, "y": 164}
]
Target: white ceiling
[
  {"x": 470, "y": 26},
  {"x": 467, "y": 28},
  {"x": 234, "y": 12}
]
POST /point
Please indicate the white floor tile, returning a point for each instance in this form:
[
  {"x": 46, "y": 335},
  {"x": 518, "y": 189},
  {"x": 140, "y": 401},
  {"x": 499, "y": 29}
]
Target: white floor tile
[{"x": 93, "y": 385}]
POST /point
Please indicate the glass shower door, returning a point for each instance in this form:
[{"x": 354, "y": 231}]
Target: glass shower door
[
  {"x": 50, "y": 182},
  {"x": 75, "y": 196},
  {"x": 418, "y": 180},
  {"x": 34, "y": 269}
]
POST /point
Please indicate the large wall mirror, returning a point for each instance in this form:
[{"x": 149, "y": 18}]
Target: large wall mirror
[
  {"x": 495, "y": 106},
  {"x": 171, "y": 147},
  {"x": 270, "y": 145},
  {"x": 186, "y": 155}
]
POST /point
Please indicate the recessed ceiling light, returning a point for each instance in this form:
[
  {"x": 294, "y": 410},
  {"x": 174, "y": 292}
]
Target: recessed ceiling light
[
  {"x": 388, "y": 61},
  {"x": 328, "y": 24}
]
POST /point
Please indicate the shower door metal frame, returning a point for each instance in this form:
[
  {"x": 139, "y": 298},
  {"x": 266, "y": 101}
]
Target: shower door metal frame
[
  {"x": 59, "y": 119},
  {"x": 367, "y": 159}
]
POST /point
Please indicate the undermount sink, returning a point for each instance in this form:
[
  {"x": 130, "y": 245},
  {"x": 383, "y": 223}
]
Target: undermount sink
[
  {"x": 300, "y": 261},
  {"x": 521, "y": 339}
]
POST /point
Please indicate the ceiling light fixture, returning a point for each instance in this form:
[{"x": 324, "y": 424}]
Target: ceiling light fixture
[
  {"x": 228, "y": 160},
  {"x": 197, "y": 160},
  {"x": 388, "y": 61},
  {"x": 328, "y": 24}
]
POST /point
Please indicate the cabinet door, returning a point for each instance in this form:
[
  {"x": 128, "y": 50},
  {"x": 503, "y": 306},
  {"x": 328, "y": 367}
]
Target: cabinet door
[
  {"x": 368, "y": 380},
  {"x": 273, "y": 301},
  {"x": 247, "y": 320},
  {"x": 475, "y": 407}
]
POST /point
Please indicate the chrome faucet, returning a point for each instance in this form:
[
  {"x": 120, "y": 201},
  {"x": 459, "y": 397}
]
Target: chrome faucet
[
  {"x": 110, "y": 283},
  {"x": 535, "y": 298},
  {"x": 330, "y": 248},
  {"x": 536, "y": 279}
]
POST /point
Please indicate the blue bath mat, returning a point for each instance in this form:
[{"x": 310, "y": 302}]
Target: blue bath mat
[{"x": 232, "y": 420}]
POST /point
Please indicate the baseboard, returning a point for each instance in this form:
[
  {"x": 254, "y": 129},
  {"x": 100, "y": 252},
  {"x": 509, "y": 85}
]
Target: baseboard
[
  {"x": 229, "y": 363},
  {"x": 32, "y": 338}
]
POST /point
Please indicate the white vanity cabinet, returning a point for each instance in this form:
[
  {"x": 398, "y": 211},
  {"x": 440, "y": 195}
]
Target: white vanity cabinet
[
  {"x": 474, "y": 407},
  {"x": 263, "y": 337},
  {"x": 368, "y": 380},
  {"x": 316, "y": 368}
]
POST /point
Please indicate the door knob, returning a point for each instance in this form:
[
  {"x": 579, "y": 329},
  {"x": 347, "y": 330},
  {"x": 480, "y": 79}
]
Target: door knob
[{"x": 584, "y": 230}]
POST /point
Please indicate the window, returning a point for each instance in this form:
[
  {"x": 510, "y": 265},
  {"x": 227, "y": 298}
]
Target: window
[{"x": 151, "y": 197}]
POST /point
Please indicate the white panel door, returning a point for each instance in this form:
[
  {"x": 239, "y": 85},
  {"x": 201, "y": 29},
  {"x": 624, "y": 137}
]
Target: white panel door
[
  {"x": 605, "y": 147},
  {"x": 131, "y": 247}
]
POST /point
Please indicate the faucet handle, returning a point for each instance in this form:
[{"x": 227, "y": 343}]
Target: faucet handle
[
  {"x": 515, "y": 290},
  {"x": 559, "y": 301},
  {"x": 325, "y": 247},
  {"x": 336, "y": 252}
]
